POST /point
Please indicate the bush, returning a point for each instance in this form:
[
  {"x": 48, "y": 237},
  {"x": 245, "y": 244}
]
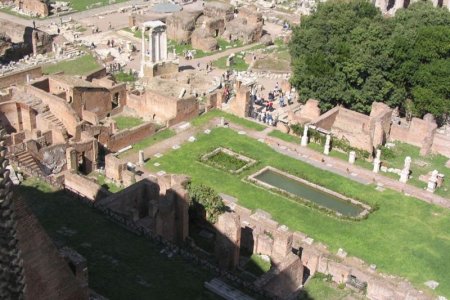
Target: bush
[
  {"x": 387, "y": 153},
  {"x": 205, "y": 198}
]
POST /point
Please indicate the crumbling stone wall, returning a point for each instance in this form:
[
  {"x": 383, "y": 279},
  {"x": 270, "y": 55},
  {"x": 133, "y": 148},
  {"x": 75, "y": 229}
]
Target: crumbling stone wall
[
  {"x": 38, "y": 8},
  {"x": 228, "y": 240},
  {"x": 285, "y": 280},
  {"x": 180, "y": 25},
  {"x": 241, "y": 105},
  {"x": 164, "y": 109},
  {"x": 20, "y": 77},
  {"x": 129, "y": 136}
]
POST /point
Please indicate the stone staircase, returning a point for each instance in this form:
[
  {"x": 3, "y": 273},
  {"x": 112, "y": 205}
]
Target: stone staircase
[
  {"x": 27, "y": 163},
  {"x": 55, "y": 123}
]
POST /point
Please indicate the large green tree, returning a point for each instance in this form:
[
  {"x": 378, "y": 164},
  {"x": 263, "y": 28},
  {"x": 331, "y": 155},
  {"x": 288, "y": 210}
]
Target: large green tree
[{"x": 348, "y": 54}]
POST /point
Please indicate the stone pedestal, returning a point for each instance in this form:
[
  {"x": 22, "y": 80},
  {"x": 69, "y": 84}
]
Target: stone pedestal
[
  {"x": 404, "y": 176},
  {"x": 326, "y": 149},
  {"x": 141, "y": 157},
  {"x": 304, "y": 141},
  {"x": 352, "y": 157},
  {"x": 432, "y": 182},
  {"x": 377, "y": 162}
]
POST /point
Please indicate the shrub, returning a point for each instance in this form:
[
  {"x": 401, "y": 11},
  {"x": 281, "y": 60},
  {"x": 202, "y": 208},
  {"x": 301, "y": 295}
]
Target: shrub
[{"x": 206, "y": 198}]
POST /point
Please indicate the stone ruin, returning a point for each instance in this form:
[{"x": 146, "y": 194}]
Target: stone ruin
[
  {"x": 27, "y": 250},
  {"x": 155, "y": 60},
  {"x": 202, "y": 28},
  {"x": 370, "y": 132},
  {"x": 18, "y": 41}
]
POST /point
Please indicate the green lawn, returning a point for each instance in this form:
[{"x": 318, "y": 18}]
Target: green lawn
[
  {"x": 148, "y": 141},
  {"x": 318, "y": 287},
  {"x": 238, "y": 64},
  {"x": 124, "y": 77},
  {"x": 121, "y": 264},
  {"x": 79, "y": 66},
  {"x": 405, "y": 236},
  {"x": 101, "y": 179},
  {"x": 257, "y": 265},
  {"x": 205, "y": 118},
  {"x": 125, "y": 122}
]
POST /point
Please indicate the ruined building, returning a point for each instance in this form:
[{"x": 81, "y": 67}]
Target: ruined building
[
  {"x": 17, "y": 41},
  {"x": 202, "y": 28}
]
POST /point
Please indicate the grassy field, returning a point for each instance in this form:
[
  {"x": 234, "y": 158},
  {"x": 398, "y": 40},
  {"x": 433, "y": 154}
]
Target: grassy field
[
  {"x": 101, "y": 179},
  {"x": 319, "y": 287},
  {"x": 257, "y": 265},
  {"x": 148, "y": 141},
  {"x": 238, "y": 64},
  {"x": 205, "y": 118},
  {"x": 79, "y": 66},
  {"x": 125, "y": 122},
  {"x": 405, "y": 236},
  {"x": 121, "y": 264}
]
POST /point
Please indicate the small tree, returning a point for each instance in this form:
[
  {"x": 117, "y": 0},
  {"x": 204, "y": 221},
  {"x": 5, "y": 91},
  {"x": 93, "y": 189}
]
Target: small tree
[{"x": 205, "y": 199}]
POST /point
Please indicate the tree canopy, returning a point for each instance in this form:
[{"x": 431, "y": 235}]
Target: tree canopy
[{"x": 347, "y": 53}]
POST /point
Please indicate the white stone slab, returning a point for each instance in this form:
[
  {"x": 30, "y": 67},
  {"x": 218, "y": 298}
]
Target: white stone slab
[
  {"x": 161, "y": 173},
  {"x": 158, "y": 155}
]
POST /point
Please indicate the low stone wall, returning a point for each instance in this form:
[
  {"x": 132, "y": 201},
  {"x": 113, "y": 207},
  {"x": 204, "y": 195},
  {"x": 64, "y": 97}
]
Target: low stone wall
[
  {"x": 83, "y": 186},
  {"x": 20, "y": 77},
  {"x": 130, "y": 136}
]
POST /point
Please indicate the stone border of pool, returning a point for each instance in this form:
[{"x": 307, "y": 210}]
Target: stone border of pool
[
  {"x": 250, "y": 161},
  {"x": 366, "y": 208}
]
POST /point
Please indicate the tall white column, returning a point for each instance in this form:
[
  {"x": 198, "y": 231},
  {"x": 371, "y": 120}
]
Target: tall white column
[
  {"x": 326, "y": 149},
  {"x": 163, "y": 46},
  {"x": 157, "y": 46},
  {"x": 143, "y": 52},
  {"x": 151, "y": 45},
  {"x": 304, "y": 140},
  {"x": 404, "y": 175}
]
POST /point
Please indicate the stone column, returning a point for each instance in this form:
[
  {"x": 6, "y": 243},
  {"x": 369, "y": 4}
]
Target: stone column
[
  {"x": 377, "y": 162},
  {"x": 163, "y": 46},
  {"x": 143, "y": 52},
  {"x": 222, "y": 121},
  {"x": 352, "y": 157},
  {"x": 432, "y": 182},
  {"x": 157, "y": 47},
  {"x": 404, "y": 176},
  {"x": 326, "y": 149},
  {"x": 151, "y": 45},
  {"x": 141, "y": 157},
  {"x": 304, "y": 141}
]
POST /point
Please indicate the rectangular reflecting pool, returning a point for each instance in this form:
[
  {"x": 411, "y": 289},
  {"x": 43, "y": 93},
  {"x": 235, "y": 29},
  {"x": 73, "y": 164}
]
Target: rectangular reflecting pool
[{"x": 300, "y": 188}]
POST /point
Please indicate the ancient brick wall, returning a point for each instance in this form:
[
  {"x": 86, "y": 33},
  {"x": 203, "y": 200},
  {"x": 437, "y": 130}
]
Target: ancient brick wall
[
  {"x": 20, "y": 77},
  {"x": 83, "y": 186},
  {"x": 58, "y": 107},
  {"x": 35, "y": 7},
  {"x": 441, "y": 144},
  {"x": 130, "y": 136},
  {"x": 9, "y": 117},
  {"x": 180, "y": 25},
  {"x": 326, "y": 120}
]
